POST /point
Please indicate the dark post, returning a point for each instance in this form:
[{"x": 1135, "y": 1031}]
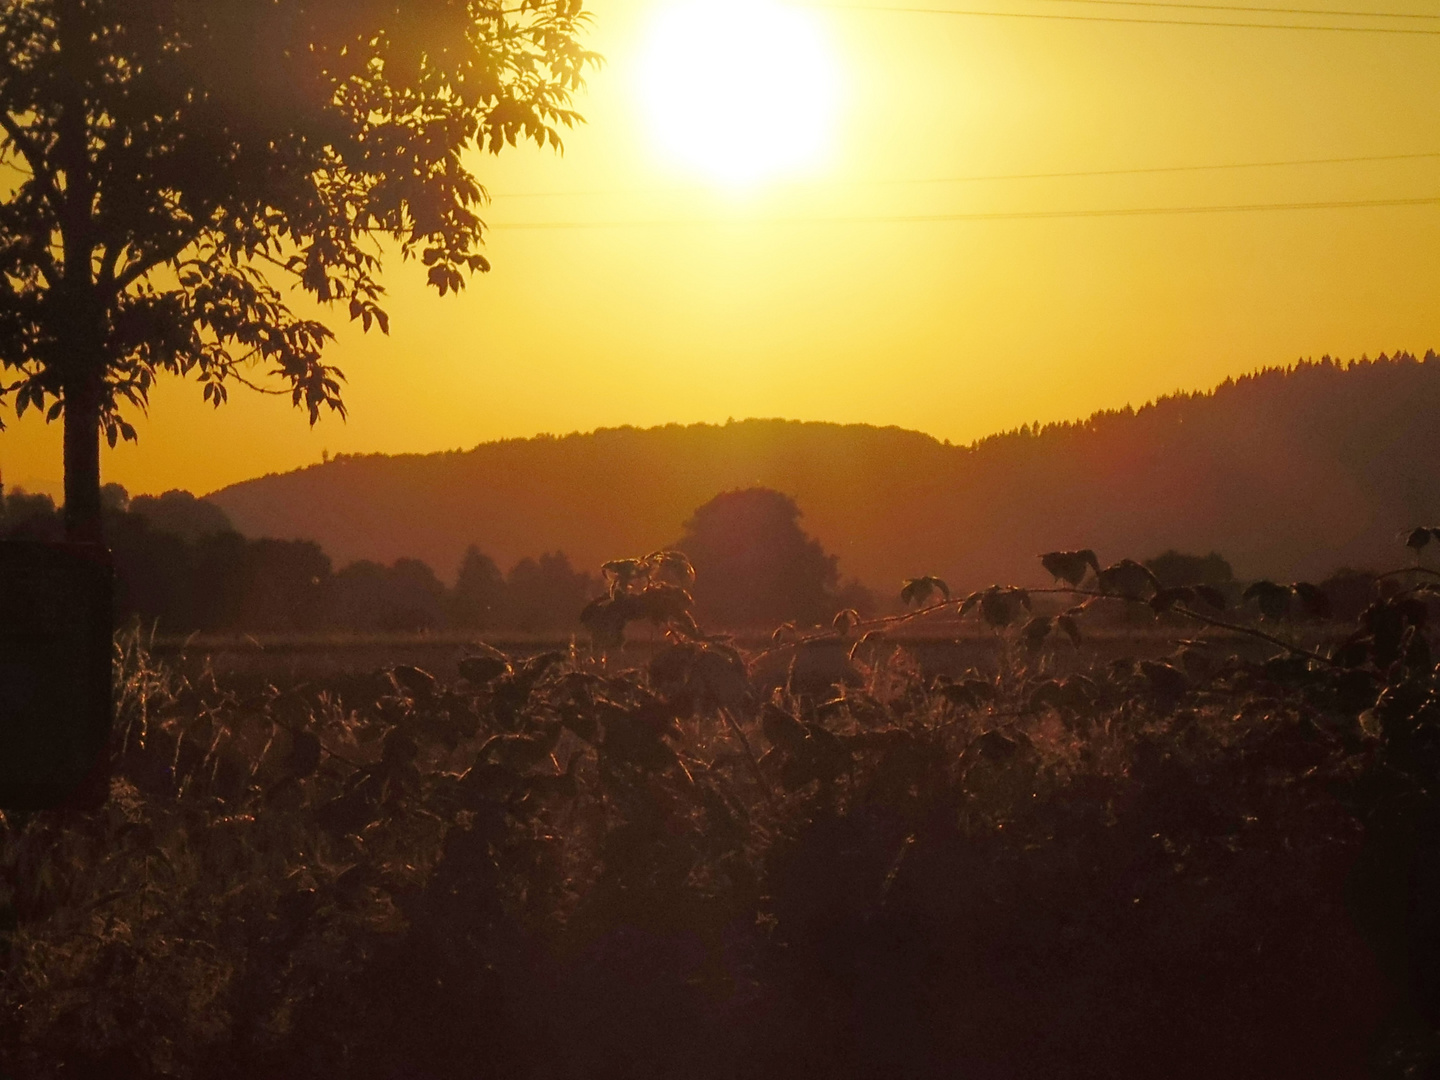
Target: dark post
[{"x": 55, "y": 657}]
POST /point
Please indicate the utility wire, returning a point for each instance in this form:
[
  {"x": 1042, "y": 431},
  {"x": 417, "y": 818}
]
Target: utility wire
[
  {"x": 1154, "y": 169},
  {"x": 1233, "y": 7},
  {"x": 1124, "y": 19},
  {"x": 1018, "y": 215},
  {"x": 976, "y": 178}
]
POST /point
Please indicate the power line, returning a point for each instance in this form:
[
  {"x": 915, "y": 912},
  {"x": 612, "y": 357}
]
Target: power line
[
  {"x": 1162, "y": 4},
  {"x": 1019, "y": 215},
  {"x": 1128, "y": 20},
  {"x": 976, "y": 178},
  {"x": 1259, "y": 10},
  {"x": 1154, "y": 169}
]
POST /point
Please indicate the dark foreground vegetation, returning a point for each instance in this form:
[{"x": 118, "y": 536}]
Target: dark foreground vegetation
[{"x": 1205, "y": 866}]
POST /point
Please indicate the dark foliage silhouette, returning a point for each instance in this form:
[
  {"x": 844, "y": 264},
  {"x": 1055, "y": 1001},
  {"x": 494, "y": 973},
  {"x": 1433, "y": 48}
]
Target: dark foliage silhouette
[
  {"x": 29, "y": 517},
  {"x": 181, "y": 514},
  {"x": 1202, "y": 862},
  {"x": 198, "y": 575},
  {"x": 405, "y": 597},
  {"x": 1173, "y": 568},
  {"x": 755, "y": 566},
  {"x": 177, "y": 161},
  {"x": 545, "y": 593},
  {"x": 655, "y": 589},
  {"x": 478, "y": 600}
]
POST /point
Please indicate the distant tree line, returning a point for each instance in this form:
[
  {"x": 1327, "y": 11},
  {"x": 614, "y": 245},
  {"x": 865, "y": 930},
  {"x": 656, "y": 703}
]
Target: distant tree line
[
  {"x": 1287, "y": 472},
  {"x": 181, "y": 567}
]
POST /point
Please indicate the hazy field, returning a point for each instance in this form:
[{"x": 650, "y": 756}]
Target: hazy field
[{"x": 949, "y": 647}]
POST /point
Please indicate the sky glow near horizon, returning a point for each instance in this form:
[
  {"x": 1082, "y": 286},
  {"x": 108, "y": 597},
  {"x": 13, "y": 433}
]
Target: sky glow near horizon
[{"x": 826, "y": 289}]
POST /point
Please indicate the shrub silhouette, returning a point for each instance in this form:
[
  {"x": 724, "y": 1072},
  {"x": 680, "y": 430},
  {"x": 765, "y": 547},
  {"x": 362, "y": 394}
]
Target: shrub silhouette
[
  {"x": 754, "y": 565},
  {"x": 1175, "y": 569}
]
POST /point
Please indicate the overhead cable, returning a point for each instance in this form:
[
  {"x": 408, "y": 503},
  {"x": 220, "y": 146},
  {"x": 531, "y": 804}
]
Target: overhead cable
[
  {"x": 998, "y": 215},
  {"x": 1135, "y": 20}
]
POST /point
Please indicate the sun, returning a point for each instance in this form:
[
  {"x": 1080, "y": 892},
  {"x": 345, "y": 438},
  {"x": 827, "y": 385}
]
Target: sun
[{"x": 739, "y": 91}]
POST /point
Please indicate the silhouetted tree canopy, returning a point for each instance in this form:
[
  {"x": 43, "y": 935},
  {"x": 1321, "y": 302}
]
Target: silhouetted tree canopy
[
  {"x": 179, "y": 163},
  {"x": 546, "y": 593},
  {"x": 28, "y": 517},
  {"x": 754, "y": 565},
  {"x": 179, "y": 568},
  {"x": 478, "y": 598},
  {"x": 181, "y": 514},
  {"x": 405, "y": 597},
  {"x": 1173, "y": 568}
]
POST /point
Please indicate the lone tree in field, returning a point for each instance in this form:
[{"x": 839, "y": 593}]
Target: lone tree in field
[
  {"x": 754, "y": 565},
  {"x": 169, "y": 166}
]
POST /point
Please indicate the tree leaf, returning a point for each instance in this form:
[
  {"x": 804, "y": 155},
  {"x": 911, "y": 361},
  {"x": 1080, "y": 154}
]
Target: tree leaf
[
  {"x": 1070, "y": 627},
  {"x": 1211, "y": 596}
]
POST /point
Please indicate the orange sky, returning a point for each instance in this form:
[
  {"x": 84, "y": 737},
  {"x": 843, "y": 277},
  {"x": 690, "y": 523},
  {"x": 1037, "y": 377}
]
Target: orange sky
[{"x": 685, "y": 301}]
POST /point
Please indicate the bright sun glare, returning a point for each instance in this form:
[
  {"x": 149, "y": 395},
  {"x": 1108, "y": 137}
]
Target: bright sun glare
[{"x": 739, "y": 91}]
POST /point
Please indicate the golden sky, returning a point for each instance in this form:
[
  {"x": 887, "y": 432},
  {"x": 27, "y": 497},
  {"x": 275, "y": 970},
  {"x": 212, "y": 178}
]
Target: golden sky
[{"x": 681, "y": 298}]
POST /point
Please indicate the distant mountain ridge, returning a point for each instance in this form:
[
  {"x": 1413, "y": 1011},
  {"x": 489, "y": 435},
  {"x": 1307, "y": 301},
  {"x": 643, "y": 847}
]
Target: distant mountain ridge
[{"x": 1287, "y": 472}]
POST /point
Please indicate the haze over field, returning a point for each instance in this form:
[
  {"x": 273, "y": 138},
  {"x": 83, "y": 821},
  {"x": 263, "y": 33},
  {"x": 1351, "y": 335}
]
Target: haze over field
[
  {"x": 1292, "y": 474},
  {"x": 664, "y": 271}
]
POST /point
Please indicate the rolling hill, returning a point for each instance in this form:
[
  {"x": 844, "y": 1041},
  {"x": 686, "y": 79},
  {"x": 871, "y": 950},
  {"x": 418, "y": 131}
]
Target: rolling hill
[{"x": 1288, "y": 472}]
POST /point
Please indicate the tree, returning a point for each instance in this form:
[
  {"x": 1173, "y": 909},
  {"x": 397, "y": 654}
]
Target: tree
[
  {"x": 1175, "y": 568},
  {"x": 167, "y": 165},
  {"x": 404, "y": 598},
  {"x": 28, "y": 517},
  {"x": 754, "y": 565},
  {"x": 181, "y": 514},
  {"x": 479, "y": 595},
  {"x": 546, "y": 594}
]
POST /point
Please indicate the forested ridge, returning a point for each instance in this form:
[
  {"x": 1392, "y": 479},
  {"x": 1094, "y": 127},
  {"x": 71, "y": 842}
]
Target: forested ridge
[{"x": 1290, "y": 472}]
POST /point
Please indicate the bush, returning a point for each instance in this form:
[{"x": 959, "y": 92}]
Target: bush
[{"x": 555, "y": 868}]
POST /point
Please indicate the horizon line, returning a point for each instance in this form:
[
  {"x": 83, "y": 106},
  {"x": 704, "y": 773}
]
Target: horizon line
[{"x": 1037, "y": 427}]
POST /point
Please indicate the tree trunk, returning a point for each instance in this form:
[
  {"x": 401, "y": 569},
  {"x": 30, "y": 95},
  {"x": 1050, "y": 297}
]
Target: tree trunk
[{"x": 82, "y": 458}]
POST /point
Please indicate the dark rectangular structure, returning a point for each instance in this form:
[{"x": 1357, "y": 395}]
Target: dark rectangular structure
[{"x": 56, "y": 631}]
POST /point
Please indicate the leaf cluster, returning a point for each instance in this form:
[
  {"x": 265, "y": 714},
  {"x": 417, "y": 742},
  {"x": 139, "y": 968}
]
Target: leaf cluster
[
  {"x": 178, "y": 164},
  {"x": 653, "y": 589}
]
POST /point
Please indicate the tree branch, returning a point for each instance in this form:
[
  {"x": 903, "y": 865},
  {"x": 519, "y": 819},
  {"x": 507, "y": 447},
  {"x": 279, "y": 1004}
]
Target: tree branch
[
  {"x": 140, "y": 267},
  {"x": 883, "y": 623},
  {"x": 233, "y": 374},
  {"x": 1408, "y": 570},
  {"x": 108, "y": 260},
  {"x": 1252, "y": 631},
  {"x": 39, "y": 169},
  {"x": 42, "y": 256}
]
